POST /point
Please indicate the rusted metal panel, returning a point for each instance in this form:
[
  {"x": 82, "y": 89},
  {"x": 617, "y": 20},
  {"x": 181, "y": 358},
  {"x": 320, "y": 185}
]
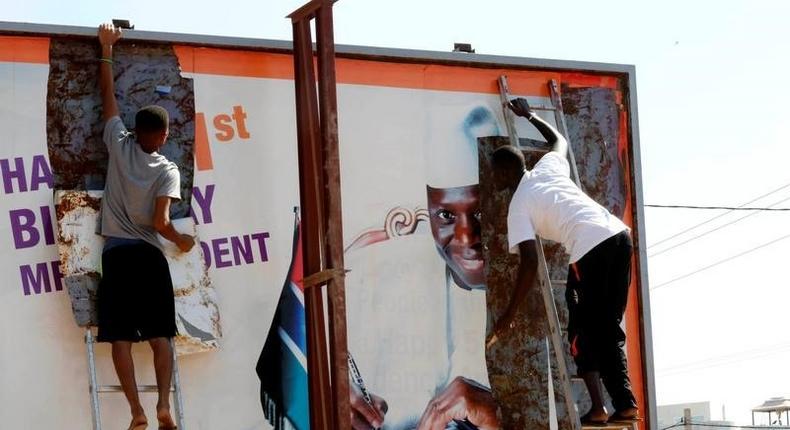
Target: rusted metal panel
[
  {"x": 592, "y": 118},
  {"x": 145, "y": 73},
  {"x": 80, "y": 248},
  {"x": 518, "y": 362},
  {"x": 336, "y": 291}
]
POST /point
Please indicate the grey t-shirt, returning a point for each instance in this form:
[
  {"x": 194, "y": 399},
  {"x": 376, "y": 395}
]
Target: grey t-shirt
[{"x": 134, "y": 180}]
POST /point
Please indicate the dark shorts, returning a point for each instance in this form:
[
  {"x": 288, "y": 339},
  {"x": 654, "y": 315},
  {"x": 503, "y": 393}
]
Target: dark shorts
[{"x": 135, "y": 299}]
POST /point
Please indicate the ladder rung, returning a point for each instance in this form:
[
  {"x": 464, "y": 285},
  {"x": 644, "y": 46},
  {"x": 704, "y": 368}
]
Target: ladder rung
[
  {"x": 542, "y": 107},
  {"x": 611, "y": 426},
  {"x": 534, "y": 149},
  {"x": 140, "y": 389}
]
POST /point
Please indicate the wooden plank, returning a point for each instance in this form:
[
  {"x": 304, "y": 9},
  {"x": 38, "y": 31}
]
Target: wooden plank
[
  {"x": 333, "y": 214},
  {"x": 310, "y": 186}
]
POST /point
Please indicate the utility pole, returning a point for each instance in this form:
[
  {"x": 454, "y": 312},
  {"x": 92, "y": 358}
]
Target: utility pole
[{"x": 687, "y": 419}]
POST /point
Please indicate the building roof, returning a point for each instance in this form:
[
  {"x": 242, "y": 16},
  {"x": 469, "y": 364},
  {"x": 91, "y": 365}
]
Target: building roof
[{"x": 774, "y": 404}]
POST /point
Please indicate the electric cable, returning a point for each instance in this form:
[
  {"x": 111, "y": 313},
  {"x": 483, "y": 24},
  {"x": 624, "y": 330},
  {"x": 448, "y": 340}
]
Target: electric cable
[
  {"x": 718, "y": 216},
  {"x": 729, "y": 208},
  {"x": 711, "y": 231},
  {"x": 710, "y": 266}
]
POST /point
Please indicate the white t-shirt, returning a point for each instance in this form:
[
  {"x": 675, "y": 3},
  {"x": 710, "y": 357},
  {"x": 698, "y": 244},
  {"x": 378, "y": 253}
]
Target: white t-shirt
[{"x": 549, "y": 204}]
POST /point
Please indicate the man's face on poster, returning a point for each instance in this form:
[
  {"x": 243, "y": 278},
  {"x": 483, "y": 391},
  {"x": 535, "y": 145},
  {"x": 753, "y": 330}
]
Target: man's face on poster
[{"x": 455, "y": 224}]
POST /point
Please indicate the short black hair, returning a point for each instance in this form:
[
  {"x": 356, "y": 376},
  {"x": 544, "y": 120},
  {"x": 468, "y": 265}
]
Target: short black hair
[
  {"x": 151, "y": 118},
  {"x": 507, "y": 158}
]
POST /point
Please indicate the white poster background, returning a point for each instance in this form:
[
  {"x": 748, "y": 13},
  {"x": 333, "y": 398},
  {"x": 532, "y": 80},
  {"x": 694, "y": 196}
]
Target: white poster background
[{"x": 43, "y": 365}]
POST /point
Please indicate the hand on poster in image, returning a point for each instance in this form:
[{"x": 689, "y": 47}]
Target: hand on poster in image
[{"x": 80, "y": 248}]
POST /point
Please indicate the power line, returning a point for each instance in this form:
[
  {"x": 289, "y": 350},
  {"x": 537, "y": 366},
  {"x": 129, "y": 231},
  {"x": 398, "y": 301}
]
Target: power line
[
  {"x": 717, "y": 216},
  {"x": 720, "y": 262},
  {"x": 729, "y": 208},
  {"x": 736, "y": 426},
  {"x": 722, "y": 360},
  {"x": 715, "y": 229},
  {"x": 723, "y": 425}
]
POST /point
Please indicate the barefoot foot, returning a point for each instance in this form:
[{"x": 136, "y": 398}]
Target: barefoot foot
[
  {"x": 165, "y": 419},
  {"x": 139, "y": 422}
]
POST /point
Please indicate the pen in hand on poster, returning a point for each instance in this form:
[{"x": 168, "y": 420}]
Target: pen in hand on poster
[{"x": 356, "y": 378}]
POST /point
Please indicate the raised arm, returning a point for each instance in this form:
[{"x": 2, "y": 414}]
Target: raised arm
[
  {"x": 558, "y": 143},
  {"x": 108, "y": 35}
]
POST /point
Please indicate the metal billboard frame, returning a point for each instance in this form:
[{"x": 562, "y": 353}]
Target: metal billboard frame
[{"x": 397, "y": 55}]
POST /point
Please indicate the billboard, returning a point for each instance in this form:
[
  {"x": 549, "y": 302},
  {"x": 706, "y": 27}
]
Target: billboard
[{"x": 414, "y": 219}]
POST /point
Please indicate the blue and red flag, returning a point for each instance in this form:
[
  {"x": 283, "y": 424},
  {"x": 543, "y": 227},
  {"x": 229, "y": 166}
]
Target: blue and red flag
[{"x": 282, "y": 366}]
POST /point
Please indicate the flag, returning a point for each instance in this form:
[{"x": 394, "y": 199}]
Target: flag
[{"x": 282, "y": 366}]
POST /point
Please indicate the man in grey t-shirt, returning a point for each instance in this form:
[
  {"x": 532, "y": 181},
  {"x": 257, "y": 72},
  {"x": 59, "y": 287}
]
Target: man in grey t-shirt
[{"x": 135, "y": 298}]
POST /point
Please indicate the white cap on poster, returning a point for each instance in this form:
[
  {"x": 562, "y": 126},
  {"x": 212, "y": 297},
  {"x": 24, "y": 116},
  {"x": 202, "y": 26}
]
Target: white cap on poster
[{"x": 451, "y": 146}]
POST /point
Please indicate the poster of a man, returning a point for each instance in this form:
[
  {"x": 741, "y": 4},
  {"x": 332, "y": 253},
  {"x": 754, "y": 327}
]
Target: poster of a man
[{"x": 459, "y": 393}]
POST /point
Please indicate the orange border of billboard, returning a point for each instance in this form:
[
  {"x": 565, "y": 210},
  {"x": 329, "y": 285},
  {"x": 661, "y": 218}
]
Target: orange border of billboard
[
  {"x": 253, "y": 64},
  {"x": 17, "y": 49}
]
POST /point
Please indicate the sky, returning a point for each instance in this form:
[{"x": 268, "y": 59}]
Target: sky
[{"x": 712, "y": 129}]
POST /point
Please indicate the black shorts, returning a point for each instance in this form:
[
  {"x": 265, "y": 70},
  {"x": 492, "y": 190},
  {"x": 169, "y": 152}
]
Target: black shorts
[{"x": 135, "y": 298}]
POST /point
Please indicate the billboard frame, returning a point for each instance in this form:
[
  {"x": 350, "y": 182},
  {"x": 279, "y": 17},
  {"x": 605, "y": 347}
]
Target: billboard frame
[{"x": 397, "y": 55}]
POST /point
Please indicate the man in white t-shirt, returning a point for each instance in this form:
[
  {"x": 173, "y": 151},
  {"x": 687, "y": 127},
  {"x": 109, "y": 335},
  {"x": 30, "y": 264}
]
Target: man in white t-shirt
[{"x": 547, "y": 203}]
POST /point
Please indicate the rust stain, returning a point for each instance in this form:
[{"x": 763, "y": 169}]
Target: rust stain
[
  {"x": 77, "y": 154},
  {"x": 72, "y": 200},
  {"x": 518, "y": 363}
]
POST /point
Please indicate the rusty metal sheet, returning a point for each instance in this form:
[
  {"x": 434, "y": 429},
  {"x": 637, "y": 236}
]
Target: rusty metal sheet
[
  {"x": 518, "y": 362},
  {"x": 144, "y": 74},
  {"x": 197, "y": 313}
]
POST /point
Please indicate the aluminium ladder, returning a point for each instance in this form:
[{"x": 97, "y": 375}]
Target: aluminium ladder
[
  {"x": 544, "y": 280},
  {"x": 95, "y": 389}
]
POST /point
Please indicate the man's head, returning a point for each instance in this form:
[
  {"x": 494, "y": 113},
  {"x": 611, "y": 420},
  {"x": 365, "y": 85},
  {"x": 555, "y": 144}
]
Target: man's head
[
  {"x": 452, "y": 186},
  {"x": 151, "y": 127},
  {"x": 455, "y": 224},
  {"x": 508, "y": 165}
]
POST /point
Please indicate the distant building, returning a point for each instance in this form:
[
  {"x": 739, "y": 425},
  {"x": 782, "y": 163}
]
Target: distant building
[
  {"x": 673, "y": 414},
  {"x": 669, "y": 415},
  {"x": 773, "y": 412}
]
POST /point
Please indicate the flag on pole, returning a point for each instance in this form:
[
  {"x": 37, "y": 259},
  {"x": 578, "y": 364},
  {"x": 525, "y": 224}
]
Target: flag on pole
[{"x": 282, "y": 366}]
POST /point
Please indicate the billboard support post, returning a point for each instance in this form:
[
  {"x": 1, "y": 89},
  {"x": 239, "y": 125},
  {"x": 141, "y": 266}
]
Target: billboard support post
[{"x": 319, "y": 178}]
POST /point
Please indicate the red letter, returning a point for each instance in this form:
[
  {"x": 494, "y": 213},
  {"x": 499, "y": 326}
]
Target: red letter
[
  {"x": 224, "y": 129},
  {"x": 203, "y": 159},
  {"x": 239, "y": 116}
]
